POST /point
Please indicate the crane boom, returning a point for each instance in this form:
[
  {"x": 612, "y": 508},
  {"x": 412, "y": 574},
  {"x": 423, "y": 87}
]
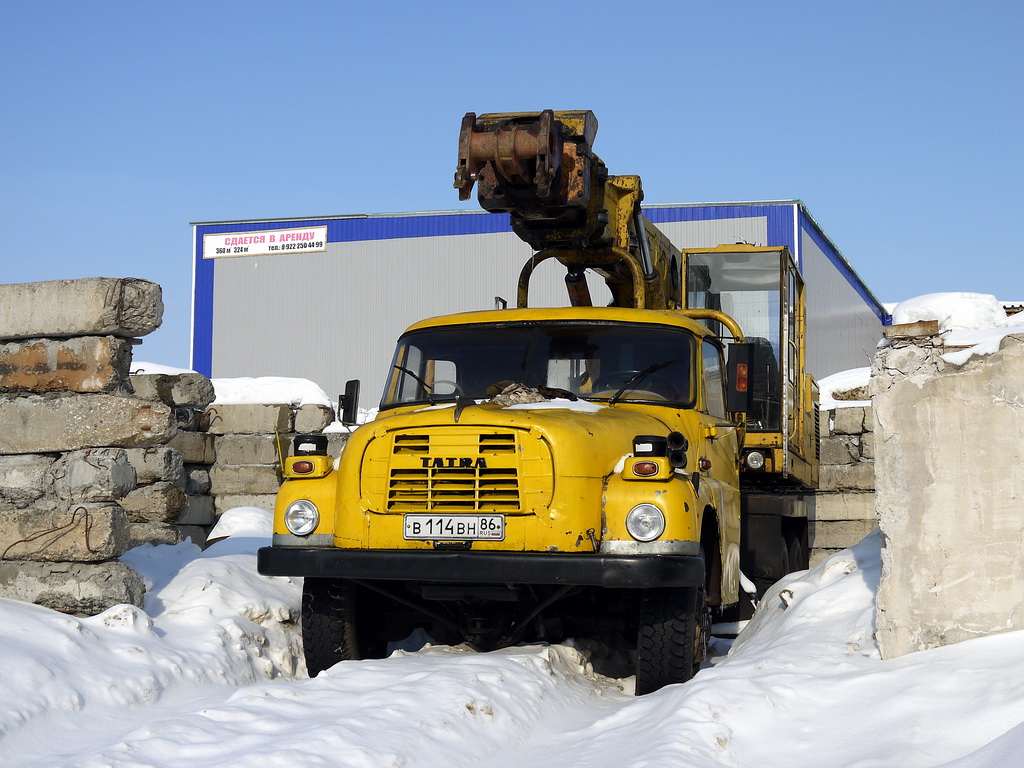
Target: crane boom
[{"x": 540, "y": 168}]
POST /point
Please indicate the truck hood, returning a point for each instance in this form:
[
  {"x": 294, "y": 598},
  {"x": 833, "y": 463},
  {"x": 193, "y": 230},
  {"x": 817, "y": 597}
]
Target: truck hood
[{"x": 592, "y": 438}]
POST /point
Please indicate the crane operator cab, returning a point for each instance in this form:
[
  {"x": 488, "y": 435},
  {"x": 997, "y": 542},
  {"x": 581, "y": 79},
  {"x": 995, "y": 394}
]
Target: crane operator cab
[{"x": 761, "y": 288}]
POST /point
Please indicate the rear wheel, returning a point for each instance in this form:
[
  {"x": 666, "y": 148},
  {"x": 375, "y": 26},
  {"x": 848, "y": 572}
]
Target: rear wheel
[
  {"x": 796, "y": 555},
  {"x": 335, "y": 626},
  {"x": 672, "y": 639}
]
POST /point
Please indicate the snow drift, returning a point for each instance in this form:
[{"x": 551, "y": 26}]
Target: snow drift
[{"x": 208, "y": 675}]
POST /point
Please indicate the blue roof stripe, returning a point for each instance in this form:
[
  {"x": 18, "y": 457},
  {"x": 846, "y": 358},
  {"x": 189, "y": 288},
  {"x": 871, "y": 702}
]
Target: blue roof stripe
[
  {"x": 377, "y": 227},
  {"x": 707, "y": 212}
]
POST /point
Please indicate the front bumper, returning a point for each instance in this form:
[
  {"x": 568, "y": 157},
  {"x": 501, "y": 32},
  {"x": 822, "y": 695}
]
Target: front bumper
[{"x": 622, "y": 571}]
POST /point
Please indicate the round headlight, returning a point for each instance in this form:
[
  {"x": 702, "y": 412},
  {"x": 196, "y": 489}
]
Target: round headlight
[
  {"x": 302, "y": 517},
  {"x": 645, "y": 522},
  {"x": 755, "y": 460}
]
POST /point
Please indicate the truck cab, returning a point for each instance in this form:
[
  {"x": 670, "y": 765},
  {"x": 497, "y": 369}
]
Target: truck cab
[{"x": 532, "y": 474}]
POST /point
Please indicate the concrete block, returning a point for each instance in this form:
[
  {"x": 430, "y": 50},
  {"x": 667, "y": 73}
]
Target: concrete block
[
  {"x": 867, "y": 446},
  {"x": 199, "y": 510},
  {"x": 80, "y": 589},
  {"x": 840, "y": 449},
  {"x": 838, "y": 534},
  {"x": 95, "y": 306},
  {"x": 84, "y": 533},
  {"x": 55, "y": 424},
  {"x": 819, "y": 555},
  {"x": 844, "y": 506},
  {"x": 912, "y": 330},
  {"x": 850, "y": 421},
  {"x": 188, "y": 390},
  {"x": 92, "y": 475},
  {"x": 160, "y": 502},
  {"x": 312, "y": 418},
  {"x": 904, "y": 361},
  {"x": 195, "y": 447},
  {"x": 24, "y": 479},
  {"x": 336, "y": 442},
  {"x": 159, "y": 463},
  {"x": 847, "y": 477},
  {"x": 244, "y": 479},
  {"x": 83, "y": 364},
  {"x": 197, "y": 480},
  {"x": 250, "y": 449},
  {"x": 228, "y": 501},
  {"x": 247, "y": 419},
  {"x": 154, "y": 533}
]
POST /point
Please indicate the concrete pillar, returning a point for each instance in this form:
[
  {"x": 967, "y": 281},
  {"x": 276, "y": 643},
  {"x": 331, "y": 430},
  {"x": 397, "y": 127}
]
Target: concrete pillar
[{"x": 949, "y": 464}]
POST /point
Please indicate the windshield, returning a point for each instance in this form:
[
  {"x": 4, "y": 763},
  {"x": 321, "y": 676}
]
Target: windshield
[{"x": 595, "y": 361}]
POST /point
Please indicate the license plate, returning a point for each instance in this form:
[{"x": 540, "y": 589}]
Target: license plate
[{"x": 455, "y": 527}]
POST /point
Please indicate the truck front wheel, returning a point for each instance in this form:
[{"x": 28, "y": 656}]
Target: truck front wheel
[
  {"x": 334, "y": 626},
  {"x": 672, "y": 638}
]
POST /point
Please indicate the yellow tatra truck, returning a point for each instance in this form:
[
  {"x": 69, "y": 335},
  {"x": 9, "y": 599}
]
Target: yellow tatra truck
[{"x": 596, "y": 473}]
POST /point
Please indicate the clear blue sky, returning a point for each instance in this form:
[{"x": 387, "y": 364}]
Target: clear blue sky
[{"x": 897, "y": 123}]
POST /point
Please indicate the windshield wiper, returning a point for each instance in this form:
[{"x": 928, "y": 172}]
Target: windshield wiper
[
  {"x": 636, "y": 378},
  {"x": 426, "y": 387}
]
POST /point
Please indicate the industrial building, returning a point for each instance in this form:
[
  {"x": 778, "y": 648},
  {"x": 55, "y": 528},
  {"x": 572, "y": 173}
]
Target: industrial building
[{"x": 325, "y": 298}]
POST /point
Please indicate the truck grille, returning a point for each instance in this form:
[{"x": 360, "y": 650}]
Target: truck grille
[
  {"x": 454, "y": 472},
  {"x": 437, "y": 489}
]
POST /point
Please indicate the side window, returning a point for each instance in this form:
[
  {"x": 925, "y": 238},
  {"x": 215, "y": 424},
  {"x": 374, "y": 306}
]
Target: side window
[
  {"x": 714, "y": 379},
  {"x": 408, "y": 386}
]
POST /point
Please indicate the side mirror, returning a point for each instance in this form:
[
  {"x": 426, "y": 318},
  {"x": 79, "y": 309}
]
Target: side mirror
[
  {"x": 348, "y": 404},
  {"x": 739, "y": 371}
]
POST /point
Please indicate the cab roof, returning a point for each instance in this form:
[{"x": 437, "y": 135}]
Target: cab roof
[{"x": 665, "y": 317}]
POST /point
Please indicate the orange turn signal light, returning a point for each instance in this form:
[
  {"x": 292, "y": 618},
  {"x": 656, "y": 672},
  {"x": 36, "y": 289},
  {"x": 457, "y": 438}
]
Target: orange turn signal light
[
  {"x": 645, "y": 468},
  {"x": 742, "y": 377}
]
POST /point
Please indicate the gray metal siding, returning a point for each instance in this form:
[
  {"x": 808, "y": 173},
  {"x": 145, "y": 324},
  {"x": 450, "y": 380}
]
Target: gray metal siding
[
  {"x": 842, "y": 331},
  {"x": 334, "y": 316},
  {"x": 708, "y": 234}
]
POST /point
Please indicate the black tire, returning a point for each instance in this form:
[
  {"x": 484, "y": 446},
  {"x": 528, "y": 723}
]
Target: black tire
[
  {"x": 797, "y": 558},
  {"x": 672, "y": 639},
  {"x": 334, "y": 624}
]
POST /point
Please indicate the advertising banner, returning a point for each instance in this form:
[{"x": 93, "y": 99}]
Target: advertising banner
[{"x": 265, "y": 242}]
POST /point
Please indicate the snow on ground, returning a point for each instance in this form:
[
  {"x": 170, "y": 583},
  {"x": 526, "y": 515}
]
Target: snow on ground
[
  {"x": 209, "y": 675},
  {"x": 206, "y": 676}
]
